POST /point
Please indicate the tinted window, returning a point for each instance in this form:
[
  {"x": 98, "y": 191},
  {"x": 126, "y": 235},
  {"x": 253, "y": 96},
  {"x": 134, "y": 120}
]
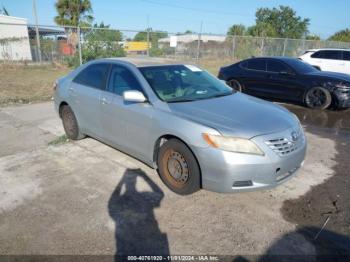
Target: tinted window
[
  {"x": 328, "y": 54},
  {"x": 346, "y": 55},
  {"x": 275, "y": 66},
  {"x": 93, "y": 76},
  {"x": 299, "y": 66},
  {"x": 257, "y": 64},
  {"x": 121, "y": 79}
]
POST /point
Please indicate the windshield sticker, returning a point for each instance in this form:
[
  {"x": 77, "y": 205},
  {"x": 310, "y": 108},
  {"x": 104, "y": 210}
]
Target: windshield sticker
[{"x": 193, "y": 68}]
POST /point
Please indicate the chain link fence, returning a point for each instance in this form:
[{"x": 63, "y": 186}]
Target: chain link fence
[{"x": 77, "y": 45}]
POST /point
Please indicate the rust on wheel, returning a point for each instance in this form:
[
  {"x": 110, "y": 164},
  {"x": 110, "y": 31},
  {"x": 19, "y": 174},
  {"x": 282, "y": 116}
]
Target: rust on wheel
[
  {"x": 68, "y": 121},
  {"x": 175, "y": 167}
]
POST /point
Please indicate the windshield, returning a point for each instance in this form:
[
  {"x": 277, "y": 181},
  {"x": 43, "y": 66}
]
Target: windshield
[
  {"x": 300, "y": 66},
  {"x": 182, "y": 83}
]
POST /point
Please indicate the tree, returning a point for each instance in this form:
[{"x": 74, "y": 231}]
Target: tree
[
  {"x": 4, "y": 11},
  {"x": 313, "y": 37},
  {"x": 237, "y": 29},
  {"x": 343, "y": 36},
  {"x": 153, "y": 36},
  {"x": 279, "y": 22},
  {"x": 73, "y": 12}
]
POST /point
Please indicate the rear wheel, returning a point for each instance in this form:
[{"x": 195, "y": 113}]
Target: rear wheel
[
  {"x": 235, "y": 85},
  {"x": 70, "y": 123},
  {"x": 178, "y": 168},
  {"x": 318, "y": 98}
]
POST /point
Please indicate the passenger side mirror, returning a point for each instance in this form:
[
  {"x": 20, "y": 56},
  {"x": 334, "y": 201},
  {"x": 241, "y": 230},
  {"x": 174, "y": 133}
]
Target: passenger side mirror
[{"x": 134, "y": 96}]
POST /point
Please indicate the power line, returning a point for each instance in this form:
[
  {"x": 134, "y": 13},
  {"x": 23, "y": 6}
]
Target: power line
[{"x": 197, "y": 9}]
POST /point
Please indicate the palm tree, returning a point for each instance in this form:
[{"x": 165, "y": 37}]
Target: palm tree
[{"x": 73, "y": 12}]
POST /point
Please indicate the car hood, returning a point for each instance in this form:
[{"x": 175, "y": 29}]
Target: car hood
[
  {"x": 236, "y": 115},
  {"x": 337, "y": 76}
]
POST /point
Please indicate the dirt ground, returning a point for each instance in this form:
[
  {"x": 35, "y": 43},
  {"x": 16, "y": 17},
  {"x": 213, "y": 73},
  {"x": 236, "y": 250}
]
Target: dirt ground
[
  {"x": 20, "y": 84},
  {"x": 89, "y": 199}
]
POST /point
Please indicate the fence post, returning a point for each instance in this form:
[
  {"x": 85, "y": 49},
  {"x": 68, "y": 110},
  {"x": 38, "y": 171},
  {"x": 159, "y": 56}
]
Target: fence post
[
  {"x": 233, "y": 46},
  {"x": 284, "y": 46},
  {"x": 38, "y": 47},
  {"x": 199, "y": 42},
  {"x": 79, "y": 47},
  {"x": 148, "y": 41},
  {"x": 262, "y": 46}
]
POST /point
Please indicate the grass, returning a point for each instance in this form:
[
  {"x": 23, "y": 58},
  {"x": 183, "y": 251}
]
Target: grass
[
  {"x": 59, "y": 140},
  {"x": 20, "y": 84}
]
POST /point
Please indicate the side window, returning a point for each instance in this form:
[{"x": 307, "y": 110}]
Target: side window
[
  {"x": 332, "y": 54},
  {"x": 94, "y": 76},
  {"x": 346, "y": 55},
  {"x": 257, "y": 64},
  {"x": 277, "y": 67},
  {"x": 121, "y": 79},
  {"x": 319, "y": 54}
]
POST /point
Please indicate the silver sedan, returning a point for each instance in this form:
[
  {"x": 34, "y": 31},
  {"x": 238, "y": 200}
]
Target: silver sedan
[{"x": 194, "y": 129}]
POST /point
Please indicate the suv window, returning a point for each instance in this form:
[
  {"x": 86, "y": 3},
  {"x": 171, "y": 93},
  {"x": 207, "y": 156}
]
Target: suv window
[
  {"x": 346, "y": 55},
  {"x": 94, "y": 76},
  {"x": 121, "y": 79},
  {"x": 256, "y": 64},
  {"x": 277, "y": 67},
  {"x": 328, "y": 54}
]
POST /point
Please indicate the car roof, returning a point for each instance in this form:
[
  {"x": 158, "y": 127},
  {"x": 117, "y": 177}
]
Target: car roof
[
  {"x": 325, "y": 49},
  {"x": 144, "y": 61},
  {"x": 283, "y": 58}
]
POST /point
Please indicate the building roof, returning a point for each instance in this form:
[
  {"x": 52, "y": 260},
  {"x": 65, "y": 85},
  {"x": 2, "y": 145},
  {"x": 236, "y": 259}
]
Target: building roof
[{"x": 43, "y": 31}]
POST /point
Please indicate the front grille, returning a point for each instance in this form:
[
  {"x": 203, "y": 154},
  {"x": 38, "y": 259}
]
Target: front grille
[{"x": 282, "y": 146}]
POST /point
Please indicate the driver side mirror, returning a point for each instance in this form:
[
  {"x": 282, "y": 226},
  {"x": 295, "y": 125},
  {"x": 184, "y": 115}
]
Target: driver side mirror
[{"x": 134, "y": 96}]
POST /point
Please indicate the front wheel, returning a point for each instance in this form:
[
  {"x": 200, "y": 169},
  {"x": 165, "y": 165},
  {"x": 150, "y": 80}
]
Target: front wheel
[
  {"x": 178, "y": 168},
  {"x": 235, "y": 85},
  {"x": 318, "y": 98}
]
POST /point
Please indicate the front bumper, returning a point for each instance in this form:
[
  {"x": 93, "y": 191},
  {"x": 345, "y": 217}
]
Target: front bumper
[
  {"x": 228, "y": 172},
  {"x": 343, "y": 98}
]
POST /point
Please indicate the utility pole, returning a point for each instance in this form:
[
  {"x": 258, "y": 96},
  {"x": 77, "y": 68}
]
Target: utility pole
[
  {"x": 199, "y": 42},
  {"x": 37, "y": 31}
]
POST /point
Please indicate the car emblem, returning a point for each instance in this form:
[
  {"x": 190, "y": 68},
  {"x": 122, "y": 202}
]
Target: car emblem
[{"x": 295, "y": 136}]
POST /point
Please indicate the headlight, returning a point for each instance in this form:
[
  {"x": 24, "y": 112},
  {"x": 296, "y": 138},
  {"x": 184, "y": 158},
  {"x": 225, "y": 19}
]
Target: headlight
[{"x": 233, "y": 144}]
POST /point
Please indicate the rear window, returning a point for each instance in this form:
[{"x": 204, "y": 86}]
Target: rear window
[
  {"x": 93, "y": 76},
  {"x": 346, "y": 55},
  {"x": 256, "y": 64}
]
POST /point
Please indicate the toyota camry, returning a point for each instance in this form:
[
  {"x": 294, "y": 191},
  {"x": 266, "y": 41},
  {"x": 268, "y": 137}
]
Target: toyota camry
[{"x": 179, "y": 119}]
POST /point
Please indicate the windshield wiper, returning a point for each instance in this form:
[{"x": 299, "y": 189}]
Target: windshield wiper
[
  {"x": 225, "y": 94},
  {"x": 180, "y": 100}
]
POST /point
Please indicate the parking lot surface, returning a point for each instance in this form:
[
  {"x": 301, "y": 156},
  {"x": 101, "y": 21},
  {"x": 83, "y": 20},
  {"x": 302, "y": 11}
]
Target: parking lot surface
[{"x": 85, "y": 197}]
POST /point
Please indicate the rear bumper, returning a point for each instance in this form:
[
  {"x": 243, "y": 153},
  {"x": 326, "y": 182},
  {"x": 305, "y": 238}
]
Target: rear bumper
[{"x": 228, "y": 172}]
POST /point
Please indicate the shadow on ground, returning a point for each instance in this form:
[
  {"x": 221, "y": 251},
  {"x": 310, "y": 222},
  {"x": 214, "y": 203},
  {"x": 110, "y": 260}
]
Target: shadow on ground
[
  {"x": 331, "y": 199},
  {"x": 137, "y": 231}
]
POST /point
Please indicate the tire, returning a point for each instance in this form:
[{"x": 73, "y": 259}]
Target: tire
[
  {"x": 178, "y": 168},
  {"x": 70, "y": 123},
  {"x": 235, "y": 85},
  {"x": 318, "y": 98}
]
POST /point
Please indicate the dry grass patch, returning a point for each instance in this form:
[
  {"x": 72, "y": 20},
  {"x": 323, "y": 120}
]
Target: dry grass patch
[{"x": 28, "y": 83}]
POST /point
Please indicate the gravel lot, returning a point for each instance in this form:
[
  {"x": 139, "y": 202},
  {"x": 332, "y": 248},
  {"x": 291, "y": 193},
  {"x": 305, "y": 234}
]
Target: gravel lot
[{"x": 87, "y": 198}]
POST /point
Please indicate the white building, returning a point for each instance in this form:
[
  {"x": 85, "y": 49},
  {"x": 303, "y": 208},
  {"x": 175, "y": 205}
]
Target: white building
[
  {"x": 14, "y": 39},
  {"x": 189, "y": 38}
]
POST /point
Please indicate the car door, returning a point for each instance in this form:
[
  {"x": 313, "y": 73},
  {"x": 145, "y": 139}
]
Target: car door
[
  {"x": 126, "y": 125},
  {"x": 346, "y": 62},
  {"x": 284, "y": 82},
  {"x": 85, "y": 91},
  {"x": 254, "y": 78},
  {"x": 331, "y": 60}
]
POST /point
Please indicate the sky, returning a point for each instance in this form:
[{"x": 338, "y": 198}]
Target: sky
[{"x": 175, "y": 16}]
